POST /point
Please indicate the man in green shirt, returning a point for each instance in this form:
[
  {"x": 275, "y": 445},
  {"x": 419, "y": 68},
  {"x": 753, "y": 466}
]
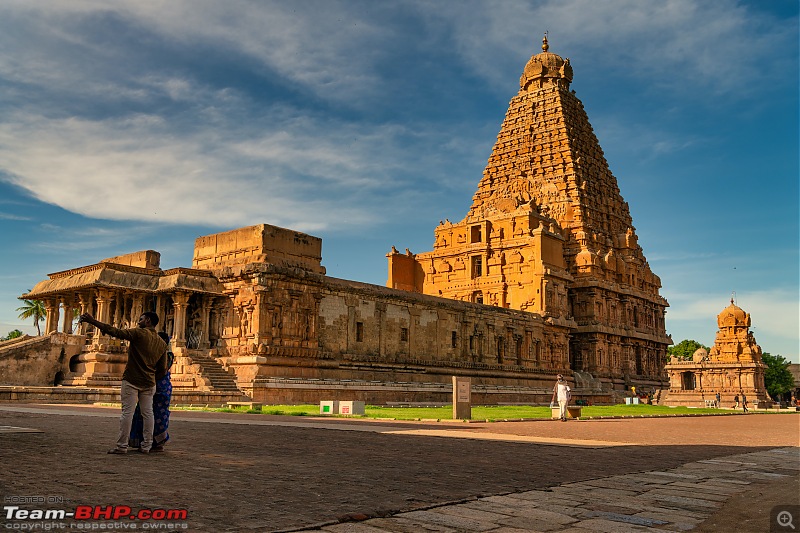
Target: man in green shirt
[{"x": 147, "y": 354}]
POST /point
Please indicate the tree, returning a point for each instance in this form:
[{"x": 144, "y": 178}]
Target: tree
[
  {"x": 11, "y": 335},
  {"x": 684, "y": 349},
  {"x": 33, "y": 309},
  {"x": 777, "y": 377}
]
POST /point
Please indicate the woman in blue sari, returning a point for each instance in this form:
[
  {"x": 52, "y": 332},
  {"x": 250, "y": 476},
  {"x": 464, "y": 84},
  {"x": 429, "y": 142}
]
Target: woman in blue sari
[{"x": 161, "y": 401}]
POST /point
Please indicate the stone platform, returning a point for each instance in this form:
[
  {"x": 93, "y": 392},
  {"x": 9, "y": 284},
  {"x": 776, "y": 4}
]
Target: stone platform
[
  {"x": 311, "y": 391},
  {"x": 78, "y": 395}
]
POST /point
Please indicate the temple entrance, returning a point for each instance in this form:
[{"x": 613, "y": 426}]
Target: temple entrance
[{"x": 687, "y": 380}]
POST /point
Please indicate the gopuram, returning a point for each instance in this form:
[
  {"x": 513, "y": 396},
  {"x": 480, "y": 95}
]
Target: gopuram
[
  {"x": 544, "y": 276},
  {"x": 732, "y": 367},
  {"x": 549, "y": 233}
]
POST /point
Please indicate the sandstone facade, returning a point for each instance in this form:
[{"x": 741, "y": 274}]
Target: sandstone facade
[{"x": 549, "y": 232}]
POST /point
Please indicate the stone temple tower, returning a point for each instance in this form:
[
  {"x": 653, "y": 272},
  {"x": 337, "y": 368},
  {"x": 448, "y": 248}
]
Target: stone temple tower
[{"x": 548, "y": 232}]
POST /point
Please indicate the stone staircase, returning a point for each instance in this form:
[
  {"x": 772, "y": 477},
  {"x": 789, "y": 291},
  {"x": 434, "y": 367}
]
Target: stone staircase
[{"x": 211, "y": 373}]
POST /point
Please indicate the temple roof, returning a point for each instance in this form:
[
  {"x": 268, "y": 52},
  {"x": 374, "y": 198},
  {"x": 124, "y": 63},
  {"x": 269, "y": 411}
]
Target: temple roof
[
  {"x": 733, "y": 315},
  {"x": 545, "y": 65},
  {"x": 108, "y": 275}
]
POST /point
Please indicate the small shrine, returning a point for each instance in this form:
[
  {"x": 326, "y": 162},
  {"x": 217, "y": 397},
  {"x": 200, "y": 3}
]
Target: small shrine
[{"x": 732, "y": 367}]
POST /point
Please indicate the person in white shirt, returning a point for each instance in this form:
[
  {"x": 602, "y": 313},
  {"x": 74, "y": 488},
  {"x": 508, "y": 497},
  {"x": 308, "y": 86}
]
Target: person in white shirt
[{"x": 561, "y": 392}]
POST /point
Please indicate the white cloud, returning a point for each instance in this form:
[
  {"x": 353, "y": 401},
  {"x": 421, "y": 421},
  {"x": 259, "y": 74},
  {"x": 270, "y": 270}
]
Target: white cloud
[{"x": 300, "y": 171}]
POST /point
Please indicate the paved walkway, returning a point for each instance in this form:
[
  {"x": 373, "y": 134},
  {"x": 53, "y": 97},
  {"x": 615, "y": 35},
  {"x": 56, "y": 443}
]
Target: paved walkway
[
  {"x": 263, "y": 473},
  {"x": 679, "y": 499}
]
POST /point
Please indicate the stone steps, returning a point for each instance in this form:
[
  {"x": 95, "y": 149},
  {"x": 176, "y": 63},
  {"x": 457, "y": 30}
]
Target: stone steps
[{"x": 221, "y": 380}]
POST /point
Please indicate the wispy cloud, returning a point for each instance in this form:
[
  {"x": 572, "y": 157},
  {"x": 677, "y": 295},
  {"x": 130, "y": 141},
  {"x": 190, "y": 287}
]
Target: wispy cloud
[
  {"x": 307, "y": 174},
  {"x": 9, "y": 216}
]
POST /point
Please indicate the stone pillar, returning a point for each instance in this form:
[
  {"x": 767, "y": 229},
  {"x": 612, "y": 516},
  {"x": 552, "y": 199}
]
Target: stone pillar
[
  {"x": 103, "y": 314},
  {"x": 85, "y": 303},
  {"x": 214, "y": 323},
  {"x": 119, "y": 309},
  {"x": 161, "y": 312},
  {"x": 249, "y": 327},
  {"x": 205, "y": 321},
  {"x": 51, "y": 321},
  {"x": 104, "y": 306},
  {"x": 137, "y": 308},
  {"x": 66, "y": 325},
  {"x": 180, "y": 301}
]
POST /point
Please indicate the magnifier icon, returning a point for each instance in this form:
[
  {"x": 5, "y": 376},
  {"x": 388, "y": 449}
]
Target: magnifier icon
[{"x": 785, "y": 519}]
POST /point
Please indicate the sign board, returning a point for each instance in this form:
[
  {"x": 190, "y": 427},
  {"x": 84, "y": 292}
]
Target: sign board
[
  {"x": 462, "y": 401},
  {"x": 463, "y": 391}
]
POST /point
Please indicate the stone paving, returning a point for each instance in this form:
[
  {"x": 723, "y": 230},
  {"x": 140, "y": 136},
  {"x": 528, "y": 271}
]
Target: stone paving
[
  {"x": 264, "y": 473},
  {"x": 673, "y": 500}
]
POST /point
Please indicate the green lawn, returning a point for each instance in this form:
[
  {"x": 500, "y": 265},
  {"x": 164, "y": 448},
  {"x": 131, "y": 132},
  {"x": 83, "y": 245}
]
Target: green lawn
[{"x": 503, "y": 412}]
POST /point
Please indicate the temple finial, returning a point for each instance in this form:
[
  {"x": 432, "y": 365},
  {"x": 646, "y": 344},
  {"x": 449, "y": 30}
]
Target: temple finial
[{"x": 545, "y": 46}]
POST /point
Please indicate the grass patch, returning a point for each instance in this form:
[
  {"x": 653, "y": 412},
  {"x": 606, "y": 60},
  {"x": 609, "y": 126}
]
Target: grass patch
[{"x": 492, "y": 413}]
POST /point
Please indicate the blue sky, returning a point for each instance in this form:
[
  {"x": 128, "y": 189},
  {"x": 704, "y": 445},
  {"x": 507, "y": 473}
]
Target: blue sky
[{"x": 134, "y": 125}]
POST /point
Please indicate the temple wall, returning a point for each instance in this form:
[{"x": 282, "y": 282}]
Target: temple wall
[
  {"x": 357, "y": 331},
  {"x": 37, "y": 360}
]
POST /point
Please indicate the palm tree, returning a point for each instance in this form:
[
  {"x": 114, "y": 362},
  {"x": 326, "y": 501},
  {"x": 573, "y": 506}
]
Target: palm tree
[{"x": 33, "y": 309}]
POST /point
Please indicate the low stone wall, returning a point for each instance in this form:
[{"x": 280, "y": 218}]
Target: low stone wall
[
  {"x": 312, "y": 391},
  {"x": 37, "y": 361},
  {"x": 79, "y": 395}
]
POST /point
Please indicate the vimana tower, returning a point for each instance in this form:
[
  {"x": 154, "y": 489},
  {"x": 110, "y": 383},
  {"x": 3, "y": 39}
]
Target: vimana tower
[{"x": 548, "y": 232}]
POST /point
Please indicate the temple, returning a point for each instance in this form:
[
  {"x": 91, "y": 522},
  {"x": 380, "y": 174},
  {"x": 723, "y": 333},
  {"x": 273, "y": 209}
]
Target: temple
[
  {"x": 543, "y": 276},
  {"x": 548, "y": 232},
  {"x": 732, "y": 367}
]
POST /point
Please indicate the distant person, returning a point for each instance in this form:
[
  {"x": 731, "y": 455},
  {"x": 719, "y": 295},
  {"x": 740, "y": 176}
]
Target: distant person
[
  {"x": 146, "y": 353},
  {"x": 633, "y": 391},
  {"x": 718, "y": 400},
  {"x": 736, "y": 402},
  {"x": 744, "y": 402},
  {"x": 161, "y": 401},
  {"x": 561, "y": 392}
]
